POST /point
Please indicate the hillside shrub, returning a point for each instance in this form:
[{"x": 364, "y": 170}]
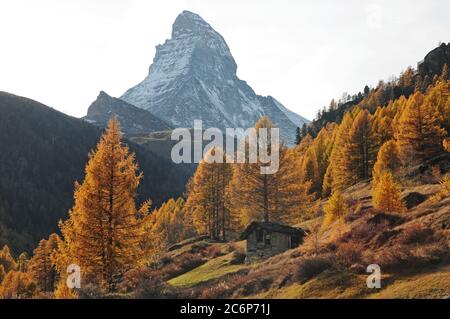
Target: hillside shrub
[{"x": 310, "y": 267}]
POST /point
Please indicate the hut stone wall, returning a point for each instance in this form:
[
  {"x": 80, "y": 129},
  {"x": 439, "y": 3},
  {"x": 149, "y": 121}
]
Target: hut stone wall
[{"x": 271, "y": 244}]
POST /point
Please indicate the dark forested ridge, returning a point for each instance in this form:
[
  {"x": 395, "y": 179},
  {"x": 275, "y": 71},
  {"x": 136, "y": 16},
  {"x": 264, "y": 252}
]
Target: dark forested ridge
[{"x": 42, "y": 153}]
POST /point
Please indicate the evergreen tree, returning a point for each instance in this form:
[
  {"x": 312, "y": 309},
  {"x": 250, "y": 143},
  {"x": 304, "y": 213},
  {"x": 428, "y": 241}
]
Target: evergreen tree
[
  {"x": 304, "y": 131},
  {"x": 298, "y": 136}
]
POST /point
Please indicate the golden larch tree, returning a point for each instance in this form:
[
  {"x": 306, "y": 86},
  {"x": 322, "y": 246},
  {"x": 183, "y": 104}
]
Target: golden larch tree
[
  {"x": 17, "y": 285},
  {"x": 165, "y": 226},
  {"x": 387, "y": 195},
  {"x": 22, "y": 262},
  {"x": 280, "y": 196},
  {"x": 446, "y": 144},
  {"x": 314, "y": 158},
  {"x": 104, "y": 231},
  {"x": 335, "y": 209},
  {"x": 6, "y": 259},
  {"x": 388, "y": 160},
  {"x": 207, "y": 195},
  {"x": 335, "y": 177},
  {"x": 359, "y": 151},
  {"x": 2, "y": 273},
  {"x": 419, "y": 134},
  {"x": 439, "y": 98},
  {"x": 41, "y": 268}
]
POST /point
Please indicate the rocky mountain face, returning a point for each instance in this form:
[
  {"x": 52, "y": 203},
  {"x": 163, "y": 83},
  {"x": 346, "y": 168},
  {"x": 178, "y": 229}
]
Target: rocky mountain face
[
  {"x": 434, "y": 61},
  {"x": 193, "y": 77},
  {"x": 133, "y": 120}
]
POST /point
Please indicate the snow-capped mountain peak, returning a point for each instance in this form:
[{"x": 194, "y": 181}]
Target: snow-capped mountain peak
[{"x": 193, "y": 76}]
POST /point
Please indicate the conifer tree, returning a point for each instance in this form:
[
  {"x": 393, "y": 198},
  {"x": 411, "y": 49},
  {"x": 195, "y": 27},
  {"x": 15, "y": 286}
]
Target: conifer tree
[
  {"x": 104, "y": 231},
  {"x": 207, "y": 201},
  {"x": 359, "y": 152},
  {"x": 7, "y": 260},
  {"x": 314, "y": 158},
  {"x": 22, "y": 262},
  {"x": 62, "y": 291},
  {"x": 166, "y": 226},
  {"x": 17, "y": 285},
  {"x": 384, "y": 120},
  {"x": 304, "y": 130},
  {"x": 2, "y": 273},
  {"x": 309, "y": 168},
  {"x": 419, "y": 134},
  {"x": 387, "y": 195},
  {"x": 335, "y": 208},
  {"x": 40, "y": 266},
  {"x": 388, "y": 160},
  {"x": 298, "y": 136},
  {"x": 280, "y": 196},
  {"x": 445, "y": 75},
  {"x": 335, "y": 177},
  {"x": 438, "y": 96},
  {"x": 446, "y": 144},
  {"x": 42, "y": 269}
]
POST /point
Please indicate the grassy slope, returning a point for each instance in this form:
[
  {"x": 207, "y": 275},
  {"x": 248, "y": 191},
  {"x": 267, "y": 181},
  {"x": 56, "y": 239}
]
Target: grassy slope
[
  {"x": 431, "y": 283},
  {"x": 213, "y": 269},
  {"x": 428, "y": 282}
]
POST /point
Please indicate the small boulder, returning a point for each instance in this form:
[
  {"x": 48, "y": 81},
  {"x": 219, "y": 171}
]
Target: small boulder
[
  {"x": 390, "y": 219},
  {"x": 413, "y": 199}
]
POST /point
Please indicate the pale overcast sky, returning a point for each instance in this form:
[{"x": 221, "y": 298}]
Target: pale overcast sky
[{"x": 304, "y": 53}]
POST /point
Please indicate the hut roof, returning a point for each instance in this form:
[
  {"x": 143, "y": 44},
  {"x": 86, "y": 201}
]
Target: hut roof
[{"x": 272, "y": 227}]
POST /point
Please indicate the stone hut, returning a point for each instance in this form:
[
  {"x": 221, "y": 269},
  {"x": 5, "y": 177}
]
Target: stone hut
[{"x": 268, "y": 239}]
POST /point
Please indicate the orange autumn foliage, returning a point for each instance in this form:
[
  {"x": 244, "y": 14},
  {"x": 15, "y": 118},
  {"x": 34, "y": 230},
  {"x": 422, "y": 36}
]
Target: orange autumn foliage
[
  {"x": 387, "y": 195},
  {"x": 104, "y": 229}
]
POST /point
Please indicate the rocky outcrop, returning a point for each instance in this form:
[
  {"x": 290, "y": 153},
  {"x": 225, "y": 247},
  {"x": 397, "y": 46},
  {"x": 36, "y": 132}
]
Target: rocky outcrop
[
  {"x": 435, "y": 60},
  {"x": 413, "y": 199},
  {"x": 132, "y": 119}
]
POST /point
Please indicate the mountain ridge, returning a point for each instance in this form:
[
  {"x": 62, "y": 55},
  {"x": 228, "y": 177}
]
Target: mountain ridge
[{"x": 133, "y": 120}]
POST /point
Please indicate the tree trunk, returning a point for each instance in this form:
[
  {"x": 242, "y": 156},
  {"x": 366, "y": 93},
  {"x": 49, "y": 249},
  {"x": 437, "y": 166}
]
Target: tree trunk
[{"x": 266, "y": 199}]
